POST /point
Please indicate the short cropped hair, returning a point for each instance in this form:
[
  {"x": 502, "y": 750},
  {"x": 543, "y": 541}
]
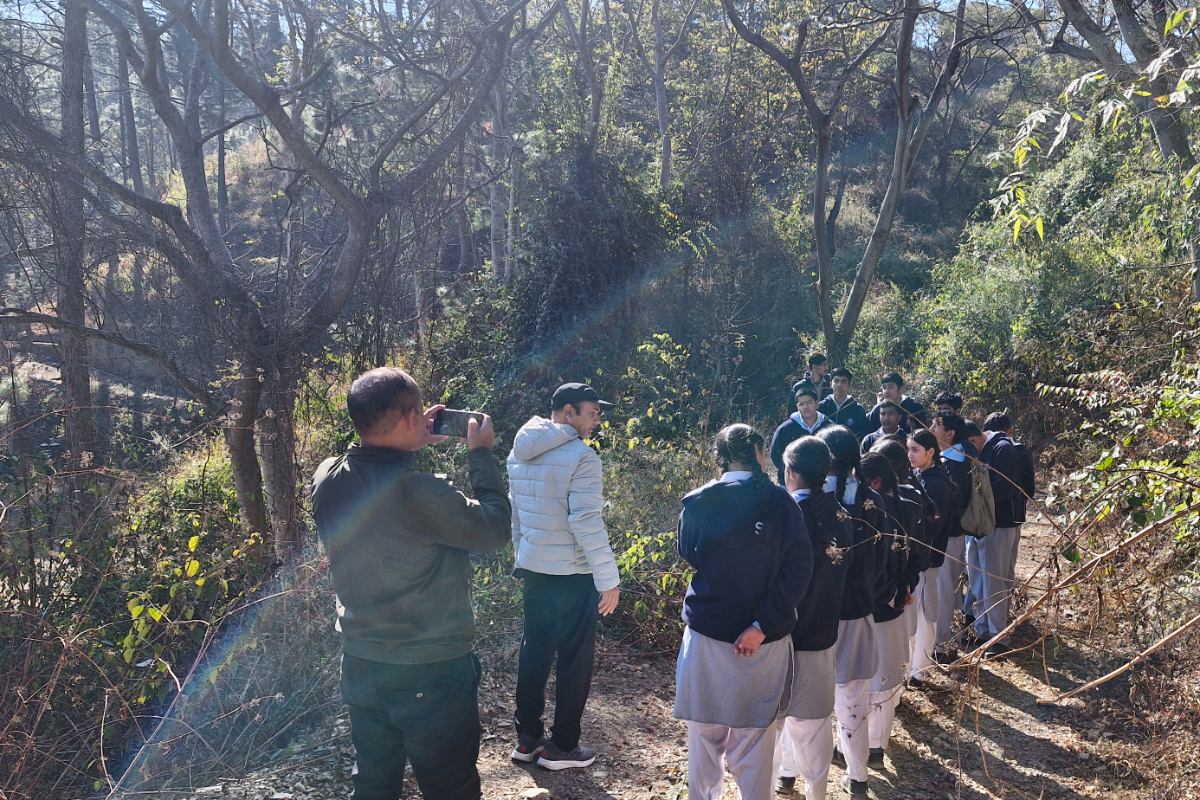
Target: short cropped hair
[
  {"x": 997, "y": 421},
  {"x": 953, "y": 423},
  {"x": 379, "y": 399},
  {"x": 890, "y": 404},
  {"x": 842, "y": 372},
  {"x": 816, "y": 359},
  {"x": 952, "y": 399},
  {"x": 970, "y": 429},
  {"x": 806, "y": 389},
  {"x": 892, "y": 377}
]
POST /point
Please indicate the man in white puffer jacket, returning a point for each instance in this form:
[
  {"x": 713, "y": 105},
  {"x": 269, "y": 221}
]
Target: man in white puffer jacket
[{"x": 556, "y": 485}]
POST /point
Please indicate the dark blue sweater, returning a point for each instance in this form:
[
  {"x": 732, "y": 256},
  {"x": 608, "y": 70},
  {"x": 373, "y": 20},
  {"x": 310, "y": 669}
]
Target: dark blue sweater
[
  {"x": 960, "y": 475},
  {"x": 941, "y": 491},
  {"x": 1004, "y": 469},
  {"x": 851, "y": 414},
  {"x": 874, "y": 436},
  {"x": 864, "y": 578},
  {"x": 751, "y": 565},
  {"x": 908, "y": 406},
  {"x": 785, "y": 434},
  {"x": 893, "y": 557},
  {"x": 818, "y": 614},
  {"x": 914, "y": 518}
]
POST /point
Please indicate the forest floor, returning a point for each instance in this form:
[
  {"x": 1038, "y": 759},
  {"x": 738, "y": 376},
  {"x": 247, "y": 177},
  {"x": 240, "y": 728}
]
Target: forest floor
[{"x": 979, "y": 733}]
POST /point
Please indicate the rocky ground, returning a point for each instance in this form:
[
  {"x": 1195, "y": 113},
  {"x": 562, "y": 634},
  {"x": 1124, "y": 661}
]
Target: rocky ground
[{"x": 980, "y": 732}]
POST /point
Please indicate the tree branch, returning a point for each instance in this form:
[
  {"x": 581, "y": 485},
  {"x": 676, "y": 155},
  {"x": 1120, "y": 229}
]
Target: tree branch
[{"x": 17, "y": 316}]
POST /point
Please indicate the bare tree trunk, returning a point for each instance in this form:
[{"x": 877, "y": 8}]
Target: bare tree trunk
[
  {"x": 69, "y": 245},
  {"x": 496, "y": 199},
  {"x": 516, "y": 178},
  {"x": 222, "y": 185},
  {"x": 467, "y": 253},
  {"x": 277, "y": 442},
  {"x": 239, "y": 438}
]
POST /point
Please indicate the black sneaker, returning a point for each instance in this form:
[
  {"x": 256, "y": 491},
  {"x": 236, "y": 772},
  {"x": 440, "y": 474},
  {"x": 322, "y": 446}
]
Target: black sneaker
[
  {"x": 918, "y": 684},
  {"x": 785, "y": 785},
  {"x": 528, "y": 748},
  {"x": 854, "y": 788},
  {"x": 555, "y": 759},
  {"x": 997, "y": 650},
  {"x": 875, "y": 758},
  {"x": 944, "y": 658},
  {"x": 838, "y": 759}
]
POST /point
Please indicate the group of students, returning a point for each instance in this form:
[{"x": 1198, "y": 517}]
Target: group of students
[{"x": 825, "y": 596}]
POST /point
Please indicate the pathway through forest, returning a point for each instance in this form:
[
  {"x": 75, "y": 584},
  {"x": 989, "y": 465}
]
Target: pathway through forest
[{"x": 1028, "y": 750}]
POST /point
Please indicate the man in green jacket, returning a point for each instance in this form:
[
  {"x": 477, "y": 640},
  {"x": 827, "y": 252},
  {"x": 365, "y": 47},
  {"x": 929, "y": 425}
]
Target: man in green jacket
[{"x": 399, "y": 543}]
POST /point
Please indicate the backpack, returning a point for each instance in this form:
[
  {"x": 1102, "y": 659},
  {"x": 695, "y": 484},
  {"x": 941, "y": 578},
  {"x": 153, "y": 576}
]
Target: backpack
[{"x": 979, "y": 519}]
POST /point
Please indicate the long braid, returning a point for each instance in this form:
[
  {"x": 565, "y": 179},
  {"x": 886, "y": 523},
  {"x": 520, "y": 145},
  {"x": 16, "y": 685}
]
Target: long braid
[
  {"x": 740, "y": 443},
  {"x": 809, "y": 458},
  {"x": 843, "y": 448}
]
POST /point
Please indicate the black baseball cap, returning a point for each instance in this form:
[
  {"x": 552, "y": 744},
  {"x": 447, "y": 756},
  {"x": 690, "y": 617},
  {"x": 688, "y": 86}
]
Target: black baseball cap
[{"x": 572, "y": 394}]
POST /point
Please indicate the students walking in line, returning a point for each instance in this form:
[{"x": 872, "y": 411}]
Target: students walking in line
[
  {"x": 889, "y": 414},
  {"x": 856, "y": 657},
  {"x": 926, "y": 463},
  {"x": 747, "y": 541},
  {"x": 806, "y": 741},
  {"x": 951, "y": 432},
  {"x": 806, "y": 421},
  {"x": 567, "y": 566},
  {"x": 991, "y": 560},
  {"x": 903, "y": 559},
  {"x": 891, "y": 390},
  {"x": 840, "y": 406}
]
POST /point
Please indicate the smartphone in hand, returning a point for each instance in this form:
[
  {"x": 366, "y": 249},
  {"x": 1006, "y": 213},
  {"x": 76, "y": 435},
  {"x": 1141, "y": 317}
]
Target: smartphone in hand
[{"x": 450, "y": 422}]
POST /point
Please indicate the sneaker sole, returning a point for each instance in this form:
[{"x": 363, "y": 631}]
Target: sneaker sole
[
  {"x": 527, "y": 758},
  {"x": 557, "y": 765}
]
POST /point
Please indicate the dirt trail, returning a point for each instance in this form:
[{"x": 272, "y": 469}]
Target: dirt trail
[{"x": 977, "y": 734}]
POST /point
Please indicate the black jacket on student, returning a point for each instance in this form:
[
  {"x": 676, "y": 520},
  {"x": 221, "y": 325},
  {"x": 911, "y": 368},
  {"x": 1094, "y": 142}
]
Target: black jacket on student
[
  {"x": 914, "y": 518},
  {"x": 960, "y": 475},
  {"x": 1004, "y": 470},
  {"x": 792, "y": 429},
  {"x": 821, "y": 387},
  {"x": 908, "y": 407},
  {"x": 892, "y": 558},
  {"x": 874, "y": 436},
  {"x": 817, "y": 616},
  {"x": 850, "y": 413},
  {"x": 751, "y": 566},
  {"x": 866, "y": 577},
  {"x": 941, "y": 491}
]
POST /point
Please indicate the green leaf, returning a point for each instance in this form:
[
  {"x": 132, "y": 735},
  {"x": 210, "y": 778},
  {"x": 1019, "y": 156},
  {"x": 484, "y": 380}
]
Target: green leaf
[
  {"x": 193, "y": 543},
  {"x": 193, "y": 566},
  {"x": 1016, "y": 229},
  {"x": 155, "y": 614},
  {"x": 136, "y": 611},
  {"x": 1041, "y": 230}
]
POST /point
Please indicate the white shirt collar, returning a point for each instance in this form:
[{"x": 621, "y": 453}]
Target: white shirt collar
[
  {"x": 800, "y": 494},
  {"x": 736, "y": 475}
]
